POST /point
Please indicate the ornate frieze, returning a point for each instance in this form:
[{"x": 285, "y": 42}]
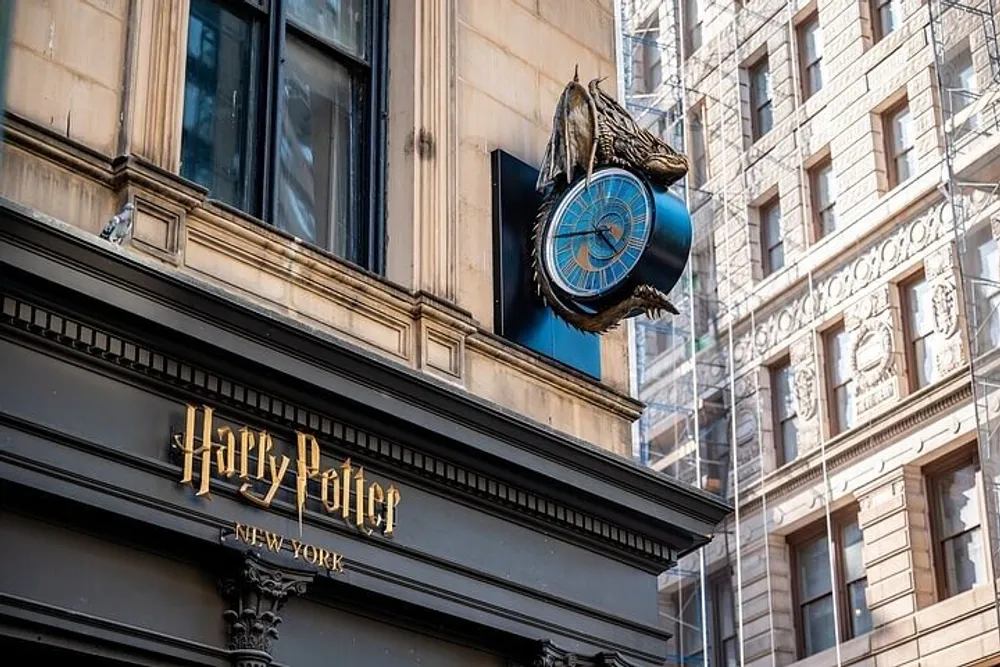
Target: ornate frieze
[
  {"x": 879, "y": 258},
  {"x": 256, "y": 594}
]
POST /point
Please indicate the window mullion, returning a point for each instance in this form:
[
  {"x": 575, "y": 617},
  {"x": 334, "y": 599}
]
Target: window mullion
[{"x": 275, "y": 113}]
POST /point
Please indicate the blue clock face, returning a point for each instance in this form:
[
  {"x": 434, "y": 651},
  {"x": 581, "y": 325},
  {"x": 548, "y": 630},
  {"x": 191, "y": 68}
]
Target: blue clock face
[{"x": 597, "y": 234}]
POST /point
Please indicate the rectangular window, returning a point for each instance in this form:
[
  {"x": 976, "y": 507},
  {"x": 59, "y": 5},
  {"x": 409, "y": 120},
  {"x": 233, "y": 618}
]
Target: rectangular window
[
  {"x": 815, "y": 582},
  {"x": 652, "y": 67},
  {"x": 786, "y": 431},
  {"x": 921, "y": 339},
  {"x": 823, "y": 186},
  {"x": 810, "y": 38},
  {"x": 901, "y": 158},
  {"x": 960, "y": 559},
  {"x": 985, "y": 277},
  {"x": 760, "y": 98},
  {"x": 692, "y": 641},
  {"x": 772, "y": 244},
  {"x": 886, "y": 17},
  {"x": 699, "y": 148},
  {"x": 721, "y": 634},
  {"x": 841, "y": 380},
  {"x": 290, "y": 135},
  {"x": 959, "y": 82},
  {"x": 692, "y": 26}
]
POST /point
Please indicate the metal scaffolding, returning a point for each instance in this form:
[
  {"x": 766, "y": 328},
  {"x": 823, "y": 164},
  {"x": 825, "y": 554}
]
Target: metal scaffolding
[{"x": 697, "y": 400}]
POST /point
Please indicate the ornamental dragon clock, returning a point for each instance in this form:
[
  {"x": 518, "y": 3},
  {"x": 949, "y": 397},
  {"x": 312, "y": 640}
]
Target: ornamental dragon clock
[{"x": 610, "y": 241}]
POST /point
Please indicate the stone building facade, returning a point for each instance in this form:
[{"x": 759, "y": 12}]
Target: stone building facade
[
  {"x": 838, "y": 353},
  {"x": 251, "y": 374},
  {"x": 96, "y": 99}
]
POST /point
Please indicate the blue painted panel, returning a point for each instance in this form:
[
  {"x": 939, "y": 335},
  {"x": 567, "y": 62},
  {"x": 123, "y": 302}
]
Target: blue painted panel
[{"x": 519, "y": 314}]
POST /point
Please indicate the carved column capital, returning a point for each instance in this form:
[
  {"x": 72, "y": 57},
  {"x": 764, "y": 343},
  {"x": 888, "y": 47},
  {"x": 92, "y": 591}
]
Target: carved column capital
[
  {"x": 550, "y": 655},
  {"x": 256, "y": 594}
]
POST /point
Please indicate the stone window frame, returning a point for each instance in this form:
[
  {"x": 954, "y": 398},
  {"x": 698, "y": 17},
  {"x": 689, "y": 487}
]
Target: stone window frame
[
  {"x": 367, "y": 236},
  {"x": 823, "y": 160},
  {"x": 693, "y": 32},
  {"x": 755, "y": 97},
  {"x": 809, "y": 20},
  {"x": 714, "y": 583},
  {"x": 878, "y": 32},
  {"x": 796, "y": 541},
  {"x": 903, "y": 287},
  {"x": 770, "y": 201},
  {"x": 698, "y": 115},
  {"x": 967, "y": 452},
  {"x": 889, "y": 155},
  {"x": 827, "y": 336},
  {"x": 647, "y": 49}
]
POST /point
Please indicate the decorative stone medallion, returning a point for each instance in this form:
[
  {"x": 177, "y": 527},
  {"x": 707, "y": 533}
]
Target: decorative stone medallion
[
  {"x": 871, "y": 356},
  {"x": 805, "y": 392},
  {"x": 944, "y": 303}
]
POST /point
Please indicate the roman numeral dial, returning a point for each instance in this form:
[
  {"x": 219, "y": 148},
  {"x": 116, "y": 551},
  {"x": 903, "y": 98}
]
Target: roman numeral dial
[{"x": 597, "y": 234}]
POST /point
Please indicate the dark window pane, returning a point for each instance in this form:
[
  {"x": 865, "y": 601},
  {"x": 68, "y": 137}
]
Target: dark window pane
[
  {"x": 314, "y": 154},
  {"x": 776, "y": 258},
  {"x": 691, "y": 621},
  {"x": 789, "y": 441},
  {"x": 986, "y": 277},
  {"x": 340, "y": 22},
  {"x": 888, "y": 16},
  {"x": 783, "y": 392},
  {"x": 725, "y": 611},
  {"x": 764, "y": 119},
  {"x": 921, "y": 331},
  {"x": 861, "y": 618},
  {"x": 729, "y": 656},
  {"x": 960, "y": 82},
  {"x": 964, "y": 562},
  {"x": 852, "y": 544},
  {"x": 817, "y": 625},
  {"x": 958, "y": 509},
  {"x": 218, "y": 104},
  {"x": 814, "y": 569},
  {"x": 844, "y": 396}
]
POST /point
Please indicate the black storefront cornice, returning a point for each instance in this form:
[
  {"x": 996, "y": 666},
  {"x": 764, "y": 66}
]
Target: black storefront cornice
[{"x": 609, "y": 486}]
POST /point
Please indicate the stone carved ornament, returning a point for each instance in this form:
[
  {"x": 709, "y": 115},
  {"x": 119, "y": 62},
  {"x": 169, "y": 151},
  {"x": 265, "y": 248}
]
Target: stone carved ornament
[
  {"x": 944, "y": 303},
  {"x": 805, "y": 392},
  {"x": 256, "y": 595},
  {"x": 549, "y": 655},
  {"x": 871, "y": 353}
]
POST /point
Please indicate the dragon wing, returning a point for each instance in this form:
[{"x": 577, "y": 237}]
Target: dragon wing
[{"x": 573, "y": 142}]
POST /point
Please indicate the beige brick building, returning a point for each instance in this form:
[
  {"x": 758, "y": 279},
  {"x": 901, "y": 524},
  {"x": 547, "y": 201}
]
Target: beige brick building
[
  {"x": 96, "y": 103},
  {"x": 837, "y": 358}
]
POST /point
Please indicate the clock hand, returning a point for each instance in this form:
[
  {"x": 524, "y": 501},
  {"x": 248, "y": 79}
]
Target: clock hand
[
  {"x": 606, "y": 241},
  {"x": 598, "y": 230},
  {"x": 569, "y": 234}
]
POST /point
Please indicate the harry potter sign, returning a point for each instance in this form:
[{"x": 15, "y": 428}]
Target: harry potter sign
[{"x": 218, "y": 450}]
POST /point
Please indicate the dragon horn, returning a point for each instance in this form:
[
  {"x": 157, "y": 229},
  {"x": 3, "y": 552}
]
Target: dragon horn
[{"x": 576, "y": 73}]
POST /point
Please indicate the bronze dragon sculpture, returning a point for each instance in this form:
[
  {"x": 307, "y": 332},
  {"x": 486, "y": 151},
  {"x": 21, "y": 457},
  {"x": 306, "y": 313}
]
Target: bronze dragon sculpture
[{"x": 590, "y": 129}]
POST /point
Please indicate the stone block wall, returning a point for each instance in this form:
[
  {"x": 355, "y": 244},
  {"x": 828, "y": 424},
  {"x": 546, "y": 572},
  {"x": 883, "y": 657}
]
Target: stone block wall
[{"x": 96, "y": 94}]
